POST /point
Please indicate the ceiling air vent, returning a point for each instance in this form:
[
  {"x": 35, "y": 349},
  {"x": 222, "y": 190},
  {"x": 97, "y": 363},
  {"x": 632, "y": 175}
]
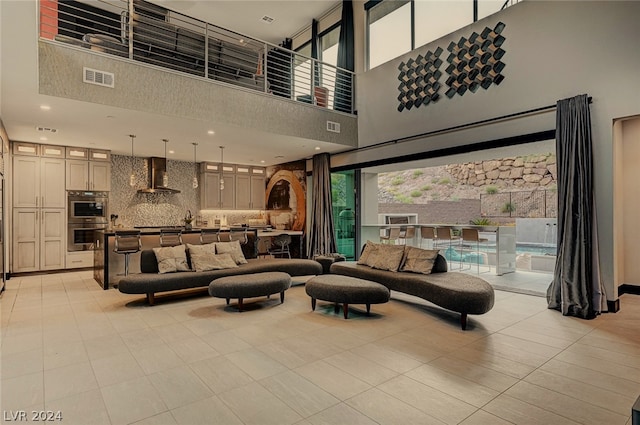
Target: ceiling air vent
[
  {"x": 47, "y": 129},
  {"x": 267, "y": 19},
  {"x": 333, "y": 127},
  {"x": 100, "y": 78}
]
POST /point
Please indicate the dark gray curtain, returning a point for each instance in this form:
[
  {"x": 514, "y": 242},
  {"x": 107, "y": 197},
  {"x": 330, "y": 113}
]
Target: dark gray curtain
[
  {"x": 322, "y": 238},
  {"x": 314, "y": 52},
  {"x": 576, "y": 289},
  {"x": 344, "y": 82}
]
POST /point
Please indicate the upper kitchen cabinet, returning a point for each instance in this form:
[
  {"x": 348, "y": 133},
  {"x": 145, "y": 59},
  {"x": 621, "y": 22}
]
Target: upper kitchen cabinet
[
  {"x": 250, "y": 188},
  {"x": 213, "y": 195},
  {"x": 38, "y": 182},
  {"x": 91, "y": 173}
]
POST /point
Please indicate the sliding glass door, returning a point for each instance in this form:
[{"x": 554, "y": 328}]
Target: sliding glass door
[{"x": 343, "y": 197}]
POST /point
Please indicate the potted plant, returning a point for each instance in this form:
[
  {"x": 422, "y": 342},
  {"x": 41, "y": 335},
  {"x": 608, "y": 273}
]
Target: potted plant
[{"x": 187, "y": 220}]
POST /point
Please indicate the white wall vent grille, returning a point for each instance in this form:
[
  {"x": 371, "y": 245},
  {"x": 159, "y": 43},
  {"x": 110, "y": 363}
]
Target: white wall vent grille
[
  {"x": 267, "y": 19},
  {"x": 100, "y": 78},
  {"x": 333, "y": 127},
  {"x": 46, "y": 129}
]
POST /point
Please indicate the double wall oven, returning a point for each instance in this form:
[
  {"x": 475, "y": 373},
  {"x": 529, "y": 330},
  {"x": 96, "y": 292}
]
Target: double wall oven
[{"x": 88, "y": 213}]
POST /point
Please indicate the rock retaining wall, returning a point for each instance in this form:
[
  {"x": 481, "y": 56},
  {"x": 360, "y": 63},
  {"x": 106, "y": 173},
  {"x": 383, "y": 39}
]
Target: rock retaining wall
[{"x": 527, "y": 172}]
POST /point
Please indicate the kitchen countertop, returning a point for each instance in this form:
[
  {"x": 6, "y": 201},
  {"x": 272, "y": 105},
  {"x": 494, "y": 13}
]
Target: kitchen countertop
[{"x": 156, "y": 230}]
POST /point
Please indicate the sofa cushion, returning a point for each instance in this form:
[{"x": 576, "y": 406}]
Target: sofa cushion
[
  {"x": 171, "y": 259},
  {"x": 387, "y": 257},
  {"x": 368, "y": 249},
  {"x": 232, "y": 248},
  {"x": 204, "y": 258},
  {"x": 418, "y": 260}
]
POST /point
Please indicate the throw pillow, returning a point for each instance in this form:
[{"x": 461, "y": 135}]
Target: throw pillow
[
  {"x": 387, "y": 257},
  {"x": 232, "y": 248},
  {"x": 418, "y": 260},
  {"x": 369, "y": 248},
  {"x": 205, "y": 260},
  {"x": 171, "y": 259}
]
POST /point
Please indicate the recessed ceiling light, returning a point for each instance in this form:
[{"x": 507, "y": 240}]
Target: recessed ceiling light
[
  {"x": 172, "y": 151},
  {"x": 241, "y": 41},
  {"x": 317, "y": 148},
  {"x": 211, "y": 132},
  {"x": 45, "y": 107},
  {"x": 43, "y": 139},
  {"x": 262, "y": 162}
]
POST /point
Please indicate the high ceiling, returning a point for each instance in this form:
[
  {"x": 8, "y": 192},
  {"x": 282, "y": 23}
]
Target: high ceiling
[{"x": 92, "y": 125}]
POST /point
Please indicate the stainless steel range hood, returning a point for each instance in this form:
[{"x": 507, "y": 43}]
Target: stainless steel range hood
[{"x": 157, "y": 166}]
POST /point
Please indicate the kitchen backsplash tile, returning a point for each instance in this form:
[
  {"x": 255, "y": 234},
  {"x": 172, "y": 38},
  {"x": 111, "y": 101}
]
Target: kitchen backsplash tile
[{"x": 151, "y": 209}]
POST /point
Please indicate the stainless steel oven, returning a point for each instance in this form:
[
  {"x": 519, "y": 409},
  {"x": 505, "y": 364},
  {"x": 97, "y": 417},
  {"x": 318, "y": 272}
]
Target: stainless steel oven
[
  {"x": 87, "y": 213},
  {"x": 88, "y": 207},
  {"x": 83, "y": 236}
]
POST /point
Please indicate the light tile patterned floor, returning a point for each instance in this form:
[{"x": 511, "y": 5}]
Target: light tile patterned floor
[{"x": 102, "y": 357}]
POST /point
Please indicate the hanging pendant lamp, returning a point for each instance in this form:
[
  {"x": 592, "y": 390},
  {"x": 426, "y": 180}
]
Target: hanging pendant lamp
[
  {"x": 221, "y": 167},
  {"x": 195, "y": 167},
  {"x": 165, "y": 176},
  {"x": 132, "y": 177}
]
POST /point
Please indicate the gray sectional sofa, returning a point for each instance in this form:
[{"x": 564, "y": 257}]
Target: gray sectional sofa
[
  {"x": 150, "y": 282},
  {"x": 459, "y": 292}
]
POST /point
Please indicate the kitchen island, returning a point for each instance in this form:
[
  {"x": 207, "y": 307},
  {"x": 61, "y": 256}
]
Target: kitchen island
[{"x": 109, "y": 266}]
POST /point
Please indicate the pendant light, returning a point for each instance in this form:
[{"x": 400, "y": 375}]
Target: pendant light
[
  {"x": 195, "y": 166},
  {"x": 221, "y": 167},
  {"x": 165, "y": 176},
  {"x": 132, "y": 177}
]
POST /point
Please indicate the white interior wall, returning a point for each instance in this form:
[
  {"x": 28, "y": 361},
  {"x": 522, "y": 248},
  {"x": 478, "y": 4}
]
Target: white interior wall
[
  {"x": 630, "y": 205},
  {"x": 554, "y": 50}
]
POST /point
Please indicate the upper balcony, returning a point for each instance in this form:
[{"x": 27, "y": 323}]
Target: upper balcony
[{"x": 148, "y": 33}]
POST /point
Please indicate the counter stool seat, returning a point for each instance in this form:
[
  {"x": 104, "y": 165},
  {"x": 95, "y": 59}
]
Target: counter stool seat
[{"x": 127, "y": 242}]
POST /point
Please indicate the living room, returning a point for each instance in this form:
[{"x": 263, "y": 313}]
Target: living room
[{"x": 105, "y": 357}]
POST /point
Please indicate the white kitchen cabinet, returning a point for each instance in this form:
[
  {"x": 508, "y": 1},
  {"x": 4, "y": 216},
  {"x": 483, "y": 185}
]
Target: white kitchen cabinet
[
  {"x": 38, "y": 182},
  {"x": 38, "y": 239},
  {"x": 211, "y": 197},
  {"x": 39, "y": 214},
  {"x": 26, "y": 181},
  {"x": 210, "y": 191},
  {"x": 52, "y": 183},
  {"x": 249, "y": 192},
  {"x": 100, "y": 176},
  {"x": 88, "y": 175}
]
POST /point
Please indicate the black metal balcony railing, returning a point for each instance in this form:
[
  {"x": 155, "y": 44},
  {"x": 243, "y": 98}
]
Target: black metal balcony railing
[{"x": 149, "y": 33}]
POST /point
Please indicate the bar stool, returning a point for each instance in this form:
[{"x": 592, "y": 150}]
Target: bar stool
[
  {"x": 472, "y": 235},
  {"x": 280, "y": 246},
  {"x": 170, "y": 237},
  {"x": 406, "y": 233},
  {"x": 239, "y": 235},
  {"x": 428, "y": 233},
  {"x": 127, "y": 242},
  {"x": 445, "y": 234},
  {"x": 209, "y": 236},
  {"x": 392, "y": 236}
]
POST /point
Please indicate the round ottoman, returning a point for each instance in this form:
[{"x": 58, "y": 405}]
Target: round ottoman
[
  {"x": 345, "y": 290},
  {"x": 249, "y": 286}
]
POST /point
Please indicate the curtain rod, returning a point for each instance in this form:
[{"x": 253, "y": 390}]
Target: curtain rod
[{"x": 541, "y": 109}]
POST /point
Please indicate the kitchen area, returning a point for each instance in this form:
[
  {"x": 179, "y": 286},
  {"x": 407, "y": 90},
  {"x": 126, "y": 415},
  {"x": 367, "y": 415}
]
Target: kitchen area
[{"x": 65, "y": 218}]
